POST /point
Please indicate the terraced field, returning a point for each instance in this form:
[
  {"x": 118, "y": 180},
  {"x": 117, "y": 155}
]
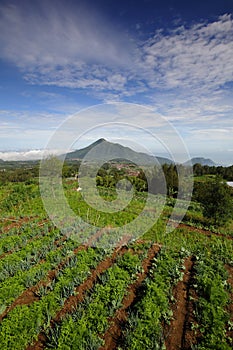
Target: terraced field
[{"x": 164, "y": 291}]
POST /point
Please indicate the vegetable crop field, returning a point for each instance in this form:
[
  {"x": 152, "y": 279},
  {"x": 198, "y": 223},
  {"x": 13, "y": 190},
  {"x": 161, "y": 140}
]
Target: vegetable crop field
[{"x": 160, "y": 291}]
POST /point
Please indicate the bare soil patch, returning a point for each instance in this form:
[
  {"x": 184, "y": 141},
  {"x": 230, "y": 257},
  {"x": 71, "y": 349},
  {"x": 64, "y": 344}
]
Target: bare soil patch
[{"x": 175, "y": 332}]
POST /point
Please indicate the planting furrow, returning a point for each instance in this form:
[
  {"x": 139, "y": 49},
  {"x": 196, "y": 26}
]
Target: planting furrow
[
  {"x": 12, "y": 222},
  {"x": 149, "y": 312},
  {"x": 19, "y": 223},
  {"x": 32, "y": 294},
  {"x": 191, "y": 335},
  {"x": 175, "y": 333},
  {"x": 23, "y": 324},
  {"x": 113, "y": 333},
  {"x": 203, "y": 231},
  {"x": 79, "y": 294}
]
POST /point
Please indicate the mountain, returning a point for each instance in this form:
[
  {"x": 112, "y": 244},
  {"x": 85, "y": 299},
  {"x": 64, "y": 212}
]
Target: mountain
[
  {"x": 102, "y": 149},
  {"x": 202, "y": 161}
]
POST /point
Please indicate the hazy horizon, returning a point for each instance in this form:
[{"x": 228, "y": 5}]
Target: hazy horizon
[{"x": 37, "y": 154}]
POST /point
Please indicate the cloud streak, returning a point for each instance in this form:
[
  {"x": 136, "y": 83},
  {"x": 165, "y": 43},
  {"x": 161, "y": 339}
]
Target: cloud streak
[
  {"x": 55, "y": 35},
  {"x": 185, "y": 73},
  {"x": 79, "y": 49}
]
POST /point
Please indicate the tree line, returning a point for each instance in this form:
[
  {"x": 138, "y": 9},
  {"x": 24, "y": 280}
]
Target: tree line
[{"x": 225, "y": 172}]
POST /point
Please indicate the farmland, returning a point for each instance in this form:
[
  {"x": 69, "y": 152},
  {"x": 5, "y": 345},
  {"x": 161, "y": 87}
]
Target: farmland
[{"x": 164, "y": 290}]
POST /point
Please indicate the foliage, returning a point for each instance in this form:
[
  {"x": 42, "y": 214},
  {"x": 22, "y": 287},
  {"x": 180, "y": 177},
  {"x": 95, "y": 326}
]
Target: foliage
[
  {"x": 30, "y": 251},
  {"x": 144, "y": 327},
  {"x": 213, "y": 298},
  {"x": 216, "y": 199}
]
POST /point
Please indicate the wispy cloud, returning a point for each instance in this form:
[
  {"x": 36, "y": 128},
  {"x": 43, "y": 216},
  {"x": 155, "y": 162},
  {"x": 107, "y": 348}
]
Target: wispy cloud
[
  {"x": 57, "y": 35},
  {"x": 80, "y": 49},
  {"x": 196, "y": 57},
  {"x": 184, "y": 73},
  {"x": 22, "y": 129},
  {"x": 58, "y": 46}
]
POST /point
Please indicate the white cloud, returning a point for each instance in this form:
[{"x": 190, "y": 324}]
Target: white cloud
[
  {"x": 58, "y": 46},
  {"x": 184, "y": 73},
  {"x": 27, "y": 155},
  {"x": 196, "y": 57},
  {"x": 80, "y": 49},
  {"x": 57, "y": 35}
]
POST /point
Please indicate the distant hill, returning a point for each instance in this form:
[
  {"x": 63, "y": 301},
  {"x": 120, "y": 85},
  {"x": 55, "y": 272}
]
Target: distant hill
[
  {"x": 102, "y": 149},
  {"x": 202, "y": 161}
]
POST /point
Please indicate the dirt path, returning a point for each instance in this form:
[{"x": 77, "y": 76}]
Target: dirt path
[
  {"x": 71, "y": 303},
  {"x": 230, "y": 307},
  {"x": 114, "y": 332},
  {"x": 175, "y": 333}
]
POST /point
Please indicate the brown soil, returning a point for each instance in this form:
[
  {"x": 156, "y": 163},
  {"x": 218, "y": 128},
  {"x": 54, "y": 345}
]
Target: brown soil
[
  {"x": 30, "y": 295},
  {"x": 203, "y": 231},
  {"x": 175, "y": 332},
  {"x": 71, "y": 303},
  {"x": 12, "y": 222},
  {"x": 230, "y": 307},
  {"x": 190, "y": 336},
  {"x": 113, "y": 334},
  {"x": 7, "y": 253}
]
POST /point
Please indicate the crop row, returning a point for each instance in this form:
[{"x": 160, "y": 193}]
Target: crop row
[
  {"x": 144, "y": 327},
  {"x": 31, "y": 254},
  {"x": 13, "y": 286},
  {"x": 90, "y": 319},
  {"x": 211, "y": 307},
  {"x": 15, "y": 226},
  {"x": 17, "y": 241},
  {"x": 23, "y": 323},
  {"x": 62, "y": 254}
]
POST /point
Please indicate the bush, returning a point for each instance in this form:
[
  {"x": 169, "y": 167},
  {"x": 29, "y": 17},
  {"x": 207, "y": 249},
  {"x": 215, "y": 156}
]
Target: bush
[{"x": 216, "y": 199}]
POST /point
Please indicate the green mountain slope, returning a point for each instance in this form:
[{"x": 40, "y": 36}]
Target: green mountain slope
[{"x": 102, "y": 149}]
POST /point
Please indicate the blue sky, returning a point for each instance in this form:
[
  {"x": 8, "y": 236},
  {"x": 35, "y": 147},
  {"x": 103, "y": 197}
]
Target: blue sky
[{"x": 58, "y": 57}]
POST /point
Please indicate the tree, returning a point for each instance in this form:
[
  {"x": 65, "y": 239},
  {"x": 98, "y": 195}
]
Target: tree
[
  {"x": 216, "y": 199},
  {"x": 198, "y": 169}
]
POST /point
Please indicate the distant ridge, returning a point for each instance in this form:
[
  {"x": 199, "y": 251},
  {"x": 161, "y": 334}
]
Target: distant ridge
[
  {"x": 103, "y": 149},
  {"x": 202, "y": 161}
]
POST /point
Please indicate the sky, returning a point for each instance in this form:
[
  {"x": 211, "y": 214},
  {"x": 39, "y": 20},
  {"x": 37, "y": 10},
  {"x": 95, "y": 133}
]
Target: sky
[{"x": 58, "y": 58}]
